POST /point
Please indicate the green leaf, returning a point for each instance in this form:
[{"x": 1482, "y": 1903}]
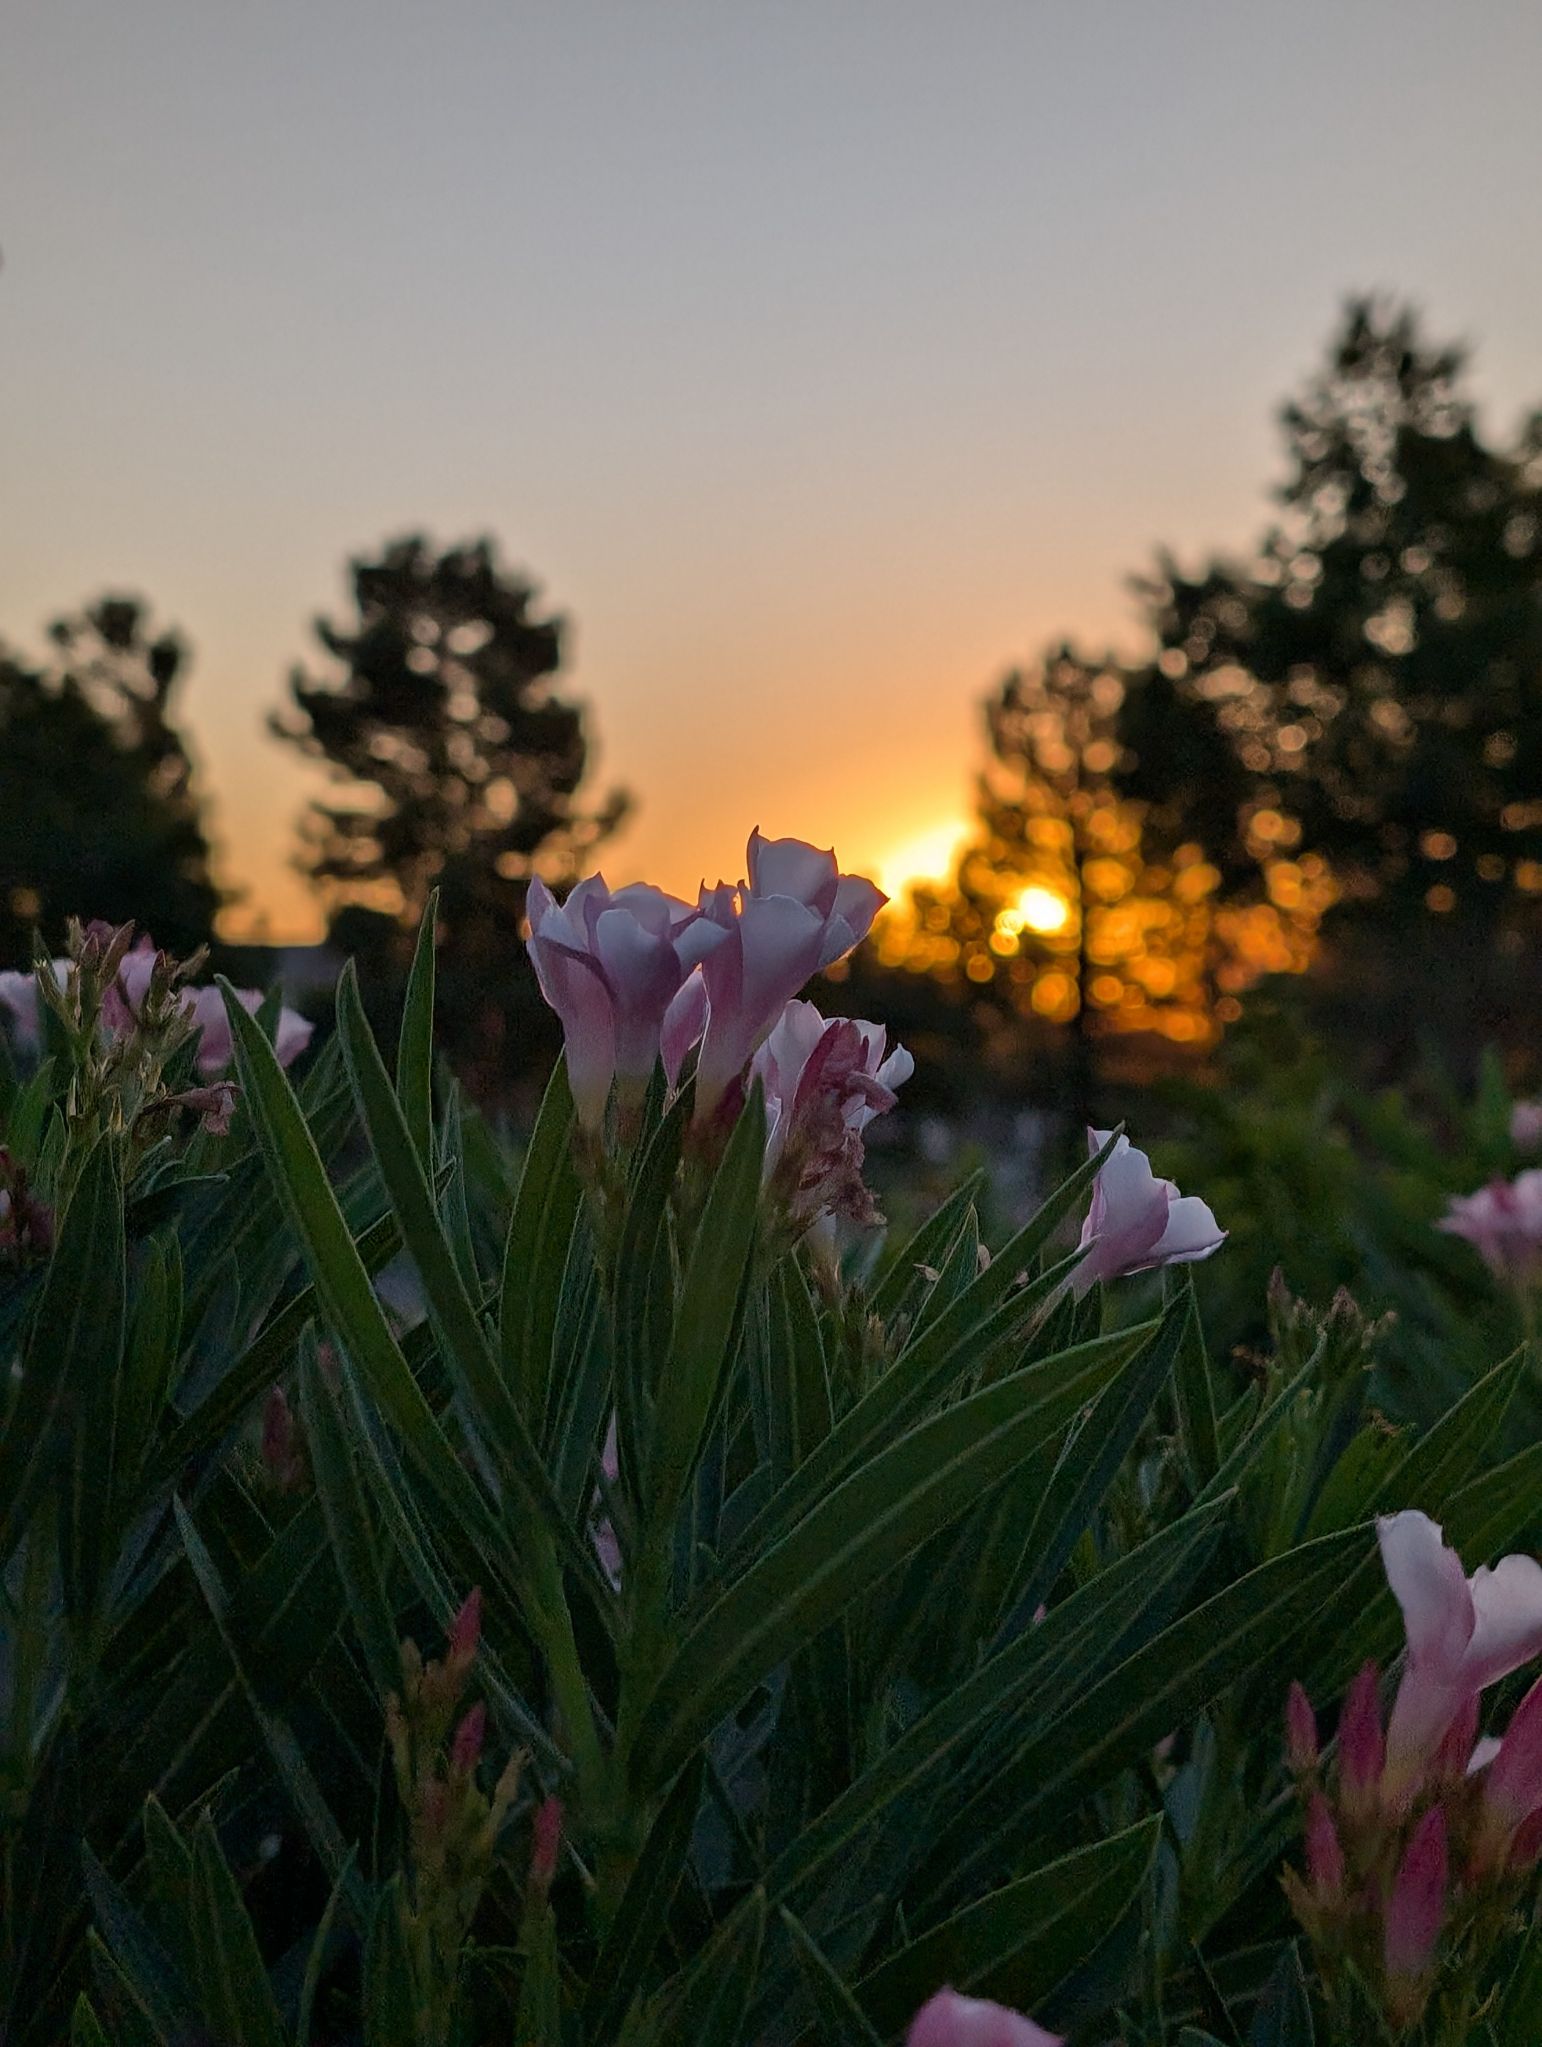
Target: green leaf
[
  {"x": 545, "y": 1209},
  {"x": 391, "y": 2010},
  {"x": 355, "y": 1544},
  {"x": 1241, "y": 1631},
  {"x": 342, "y": 1280},
  {"x": 1195, "y": 1391},
  {"x": 842, "y": 2022},
  {"x": 85, "y": 2027},
  {"x": 1073, "y": 1646},
  {"x": 142, "y": 1963},
  {"x": 77, "y": 1344},
  {"x": 1448, "y": 1454},
  {"x": 1102, "y": 1444},
  {"x": 415, "y": 1044},
  {"x": 905, "y": 1269},
  {"x": 710, "y": 1311},
  {"x": 716, "y": 1995},
  {"x": 1284, "y": 2014},
  {"x": 635, "y": 1931},
  {"x": 1016, "y": 1944},
  {"x": 852, "y": 1538},
  {"x": 316, "y": 1960},
  {"x": 232, "y": 1981}
]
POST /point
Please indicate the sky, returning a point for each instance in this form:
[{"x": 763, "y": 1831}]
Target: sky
[{"x": 819, "y": 359}]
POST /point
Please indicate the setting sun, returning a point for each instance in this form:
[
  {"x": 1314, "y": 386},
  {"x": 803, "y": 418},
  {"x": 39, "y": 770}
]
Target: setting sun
[
  {"x": 929, "y": 856},
  {"x": 1042, "y": 910}
]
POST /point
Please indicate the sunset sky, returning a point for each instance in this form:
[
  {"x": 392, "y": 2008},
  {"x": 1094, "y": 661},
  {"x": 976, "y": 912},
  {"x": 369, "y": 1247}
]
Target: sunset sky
[{"x": 819, "y": 359}]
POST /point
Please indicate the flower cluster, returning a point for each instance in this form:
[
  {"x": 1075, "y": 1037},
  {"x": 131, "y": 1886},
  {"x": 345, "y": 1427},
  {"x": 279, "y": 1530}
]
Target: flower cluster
[
  {"x": 128, "y": 999},
  {"x": 1416, "y": 1842},
  {"x": 1503, "y": 1222},
  {"x": 639, "y": 977}
]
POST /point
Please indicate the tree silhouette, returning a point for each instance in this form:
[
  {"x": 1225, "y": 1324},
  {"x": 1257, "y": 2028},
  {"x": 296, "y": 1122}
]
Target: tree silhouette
[
  {"x": 99, "y": 814},
  {"x": 463, "y": 768},
  {"x": 1373, "y": 675}
]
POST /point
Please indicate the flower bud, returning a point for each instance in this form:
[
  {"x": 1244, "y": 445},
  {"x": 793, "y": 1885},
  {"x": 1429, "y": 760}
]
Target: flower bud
[
  {"x": 1415, "y": 1912},
  {"x": 1362, "y": 1748},
  {"x": 546, "y": 1839},
  {"x": 1300, "y": 1731},
  {"x": 466, "y": 1747}
]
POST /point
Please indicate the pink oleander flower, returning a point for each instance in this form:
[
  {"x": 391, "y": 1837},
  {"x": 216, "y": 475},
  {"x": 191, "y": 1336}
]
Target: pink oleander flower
[
  {"x": 1415, "y": 1913},
  {"x": 949, "y": 2020},
  {"x": 824, "y": 1083},
  {"x": 1503, "y": 1222},
  {"x": 795, "y": 914},
  {"x": 1463, "y": 1633},
  {"x": 1136, "y": 1222},
  {"x": 612, "y": 963},
  {"x": 19, "y": 1000},
  {"x": 1510, "y": 1778},
  {"x": 205, "y": 1009},
  {"x": 1525, "y": 1124}
]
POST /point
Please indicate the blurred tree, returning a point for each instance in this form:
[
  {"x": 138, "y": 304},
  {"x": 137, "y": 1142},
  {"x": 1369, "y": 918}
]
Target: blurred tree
[
  {"x": 99, "y": 814},
  {"x": 464, "y": 768},
  {"x": 1065, "y": 910},
  {"x": 1369, "y": 684}
]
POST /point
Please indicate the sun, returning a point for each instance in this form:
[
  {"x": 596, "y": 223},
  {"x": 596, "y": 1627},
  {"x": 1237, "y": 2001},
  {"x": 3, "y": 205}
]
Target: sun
[
  {"x": 1042, "y": 910},
  {"x": 929, "y": 856}
]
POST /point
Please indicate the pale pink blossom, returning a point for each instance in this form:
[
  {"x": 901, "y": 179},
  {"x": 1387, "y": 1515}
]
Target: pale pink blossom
[
  {"x": 1463, "y": 1634},
  {"x": 1503, "y": 1222},
  {"x": 20, "y": 1003},
  {"x": 1526, "y": 1126},
  {"x": 795, "y": 914},
  {"x": 1136, "y": 1221},
  {"x": 824, "y": 1082},
  {"x": 950, "y": 2020},
  {"x": 611, "y": 963},
  {"x": 1510, "y": 1771},
  {"x": 205, "y": 1009}
]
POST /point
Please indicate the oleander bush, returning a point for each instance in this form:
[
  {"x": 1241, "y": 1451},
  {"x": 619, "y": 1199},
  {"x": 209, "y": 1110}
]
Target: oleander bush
[{"x": 619, "y": 1597}]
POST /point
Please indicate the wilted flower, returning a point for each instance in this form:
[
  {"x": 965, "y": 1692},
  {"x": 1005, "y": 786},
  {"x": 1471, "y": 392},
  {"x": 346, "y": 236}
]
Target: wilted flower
[
  {"x": 796, "y": 914},
  {"x": 824, "y": 1083},
  {"x": 610, "y": 963},
  {"x": 1464, "y": 1634},
  {"x": 1503, "y": 1221},
  {"x": 1136, "y": 1221},
  {"x": 949, "y": 2020}
]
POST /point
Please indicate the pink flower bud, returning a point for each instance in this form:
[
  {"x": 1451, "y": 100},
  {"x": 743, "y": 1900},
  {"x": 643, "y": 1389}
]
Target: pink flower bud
[
  {"x": 949, "y": 2020},
  {"x": 1136, "y": 1222},
  {"x": 466, "y": 1629},
  {"x": 1527, "y": 1845},
  {"x": 280, "y": 1440},
  {"x": 546, "y": 1839},
  {"x": 1416, "y": 1909},
  {"x": 1300, "y": 1731},
  {"x": 467, "y": 1745},
  {"x": 1324, "y": 1856},
  {"x": 1361, "y": 1747}
]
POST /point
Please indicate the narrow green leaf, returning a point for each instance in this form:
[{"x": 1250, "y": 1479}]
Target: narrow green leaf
[
  {"x": 141, "y": 1960},
  {"x": 721, "y": 1985},
  {"x": 542, "y": 1523},
  {"x": 391, "y": 2008},
  {"x": 1195, "y": 1390},
  {"x": 904, "y": 1269},
  {"x": 842, "y": 2021},
  {"x": 342, "y": 1281},
  {"x": 232, "y": 1982},
  {"x": 545, "y": 1209},
  {"x": 1242, "y": 1630},
  {"x": 85, "y": 2027},
  {"x": 1284, "y": 2015},
  {"x": 315, "y": 1961},
  {"x": 852, "y": 1538},
  {"x": 1069, "y": 1646},
  {"x": 355, "y": 1544},
  {"x": 1016, "y": 1944},
  {"x": 415, "y": 1044},
  {"x": 710, "y": 1311},
  {"x": 639, "y": 1922}
]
